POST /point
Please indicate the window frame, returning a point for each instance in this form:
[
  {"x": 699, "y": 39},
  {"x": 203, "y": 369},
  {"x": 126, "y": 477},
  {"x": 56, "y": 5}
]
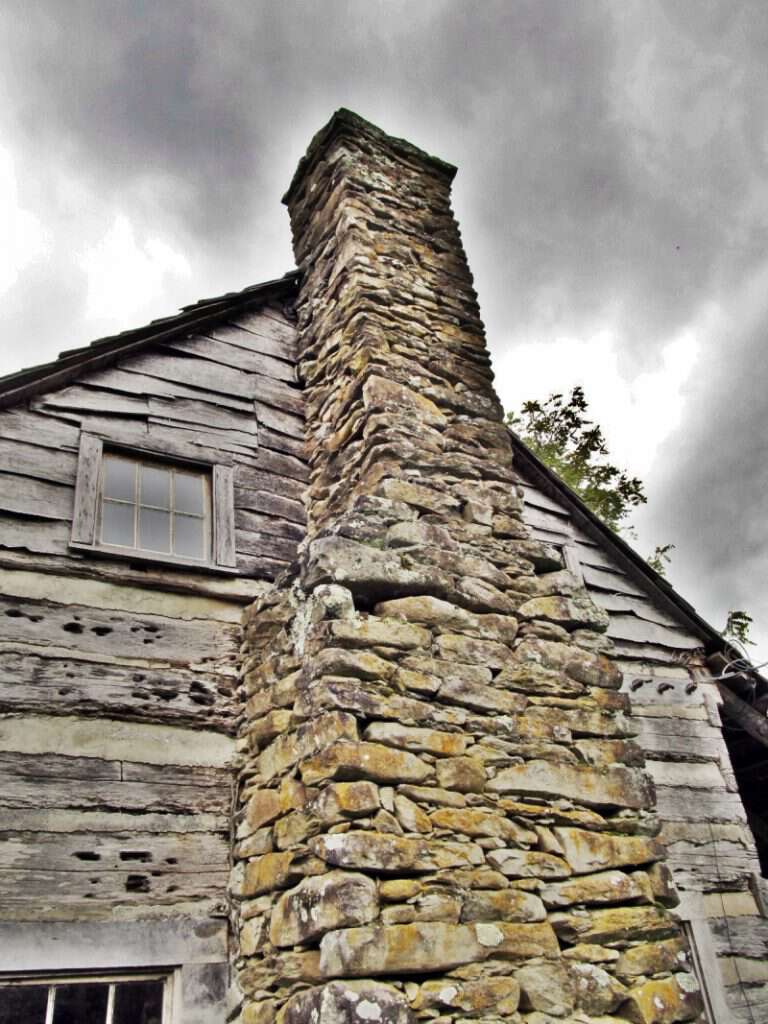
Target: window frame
[
  {"x": 168, "y": 976},
  {"x": 86, "y": 516}
]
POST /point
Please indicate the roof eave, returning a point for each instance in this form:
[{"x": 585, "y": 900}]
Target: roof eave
[
  {"x": 636, "y": 567},
  {"x": 17, "y": 387}
]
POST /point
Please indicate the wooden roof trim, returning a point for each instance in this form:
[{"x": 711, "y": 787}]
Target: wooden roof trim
[{"x": 16, "y": 387}]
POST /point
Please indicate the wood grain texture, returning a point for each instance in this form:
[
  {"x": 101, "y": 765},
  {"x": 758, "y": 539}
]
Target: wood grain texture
[
  {"x": 224, "y": 540},
  {"x": 122, "y": 659},
  {"x": 86, "y": 489},
  {"x": 240, "y": 589},
  {"x": 35, "y": 499},
  {"x": 228, "y": 397},
  {"x": 123, "y": 634},
  {"x": 37, "y": 684},
  {"x": 220, "y": 351},
  {"x": 25, "y": 459},
  {"x": 264, "y": 338},
  {"x": 38, "y": 429}
]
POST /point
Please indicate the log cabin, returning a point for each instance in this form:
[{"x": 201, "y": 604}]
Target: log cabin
[{"x": 323, "y": 699}]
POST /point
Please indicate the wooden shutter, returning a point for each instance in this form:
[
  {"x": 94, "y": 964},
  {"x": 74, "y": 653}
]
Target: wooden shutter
[
  {"x": 86, "y": 490},
  {"x": 224, "y": 516}
]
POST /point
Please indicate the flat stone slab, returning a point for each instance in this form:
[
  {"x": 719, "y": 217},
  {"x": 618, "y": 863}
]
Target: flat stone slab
[
  {"x": 323, "y": 903},
  {"x": 377, "y": 851},
  {"x": 611, "y": 787},
  {"x": 347, "y": 1002},
  {"x": 430, "y": 946},
  {"x": 344, "y": 760}
]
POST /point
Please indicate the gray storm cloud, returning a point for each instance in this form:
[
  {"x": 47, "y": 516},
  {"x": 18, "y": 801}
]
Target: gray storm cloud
[{"x": 612, "y": 171}]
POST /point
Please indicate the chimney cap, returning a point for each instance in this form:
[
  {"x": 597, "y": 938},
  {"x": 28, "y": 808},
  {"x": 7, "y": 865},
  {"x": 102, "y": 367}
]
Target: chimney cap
[{"x": 344, "y": 119}]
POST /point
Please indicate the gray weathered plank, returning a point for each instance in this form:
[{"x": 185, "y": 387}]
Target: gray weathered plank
[
  {"x": 104, "y": 853},
  {"x": 134, "y": 383},
  {"x": 593, "y": 554},
  {"x": 214, "y": 377},
  {"x": 25, "y": 496},
  {"x": 742, "y": 936},
  {"x": 679, "y": 803},
  {"x": 51, "y": 894},
  {"x": 614, "y": 582},
  {"x": 57, "y": 767},
  {"x": 262, "y": 337},
  {"x": 85, "y": 565},
  {"x": 34, "y": 535},
  {"x": 630, "y": 627},
  {"x": 192, "y": 372},
  {"x": 533, "y": 496},
  {"x": 157, "y": 438},
  {"x": 272, "y": 321},
  {"x": 83, "y": 398},
  {"x": 241, "y": 358},
  {"x": 259, "y": 566},
  {"x": 540, "y": 519},
  {"x": 37, "y": 428},
  {"x": 258, "y": 480},
  {"x": 643, "y": 608},
  {"x": 268, "y": 545},
  {"x": 255, "y": 522},
  {"x": 88, "y": 467},
  {"x": 70, "y": 820},
  {"x": 113, "y": 796},
  {"x": 654, "y": 654},
  {"x": 275, "y": 440},
  {"x": 119, "y": 634},
  {"x": 272, "y": 504},
  {"x": 224, "y": 516},
  {"x": 70, "y": 686},
  {"x": 281, "y": 422},
  {"x": 209, "y": 414},
  {"x": 161, "y": 431},
  {"x": 276, "y": 462}
]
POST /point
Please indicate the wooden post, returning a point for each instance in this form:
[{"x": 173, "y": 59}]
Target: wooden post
[{"x": 737, "y": 710}]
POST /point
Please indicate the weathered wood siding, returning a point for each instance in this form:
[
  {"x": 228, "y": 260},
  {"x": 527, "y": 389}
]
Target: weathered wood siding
[
  {"x": 675, "y": 709},
  {"x": 232, "y": 391},
  {"x": 117, "y": 713}
]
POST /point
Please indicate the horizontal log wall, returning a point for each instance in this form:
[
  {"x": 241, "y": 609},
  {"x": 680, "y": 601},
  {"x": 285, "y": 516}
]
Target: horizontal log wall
[
  {"x": 117, "y": 712},
  {"x": 675, "y": 711},
  {"x": 115, "y": 749}
]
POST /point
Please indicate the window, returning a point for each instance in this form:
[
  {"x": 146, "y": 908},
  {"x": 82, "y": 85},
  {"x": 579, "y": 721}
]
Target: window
[
  {"x": 140, "y": 505},
  {"x": 138, "y": 999},
  {"x": 154, "y": 507}
]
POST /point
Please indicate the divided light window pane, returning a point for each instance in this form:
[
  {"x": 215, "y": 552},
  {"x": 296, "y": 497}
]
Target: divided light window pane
[
  {"x": 126, "y": 1001},
  {"x": 117, "y": 524},
  {"x": 26, "y": 1003},
  {"x": 76, "y": 1004},
  {"x": 189, "y": 539},
  {"x": 152, "y": 507},
  {"x": 155, "y": 487},
  {"x": 188, "y": 493},
  {"x": 154, "y": 530},
  {"x": 119, "y": 478},
  {"x": 138, "y": 1002}
]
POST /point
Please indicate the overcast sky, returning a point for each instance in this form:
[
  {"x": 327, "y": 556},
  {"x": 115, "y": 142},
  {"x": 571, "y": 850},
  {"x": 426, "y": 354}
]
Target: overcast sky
[{"x": 612, "y": 192}]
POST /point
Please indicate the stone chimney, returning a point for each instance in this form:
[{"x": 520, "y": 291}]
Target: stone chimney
[{"x": 441, "y": 812}]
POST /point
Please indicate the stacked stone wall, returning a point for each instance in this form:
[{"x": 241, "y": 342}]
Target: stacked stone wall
[{"x": 442, "y": 812}]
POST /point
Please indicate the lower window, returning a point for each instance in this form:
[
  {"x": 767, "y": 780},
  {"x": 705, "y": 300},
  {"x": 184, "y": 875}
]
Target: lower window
[{"x": 135, "y": 999}]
